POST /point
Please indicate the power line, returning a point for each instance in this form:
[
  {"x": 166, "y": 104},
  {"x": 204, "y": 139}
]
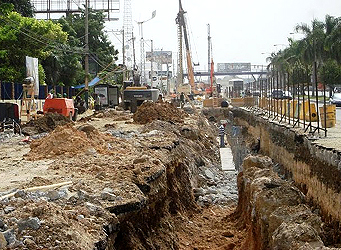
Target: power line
[{"x": 47, "y": 42}]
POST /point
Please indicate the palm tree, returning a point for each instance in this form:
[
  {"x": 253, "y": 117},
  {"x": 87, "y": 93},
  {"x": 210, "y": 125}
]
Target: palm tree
[{"x": 333, "y": 37}]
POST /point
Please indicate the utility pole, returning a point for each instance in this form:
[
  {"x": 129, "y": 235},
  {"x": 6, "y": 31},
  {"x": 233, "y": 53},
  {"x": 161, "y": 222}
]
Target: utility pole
[
  {"x": 151, "y": 64},
  {"x": 86, "y": 61},
  {"x": 142, "y": 52},
  {"x": 123, "y": 53},
  {"x": 209, "y": 47},
  {"x": 133, "y": 38}
]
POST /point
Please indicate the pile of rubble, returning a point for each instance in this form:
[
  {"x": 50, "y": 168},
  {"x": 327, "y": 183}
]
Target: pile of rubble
[
  {"x": 46, "y": 123},
  {"x": 163, "y": 111}
]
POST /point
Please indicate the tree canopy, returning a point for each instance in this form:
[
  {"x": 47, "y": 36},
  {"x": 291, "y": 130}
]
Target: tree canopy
[
  {"x": 23, "y": 7},
  {"x": 321, "y": 44},
  {"x": 59, "y": 45},
  {"x": 24, "y": 36}
]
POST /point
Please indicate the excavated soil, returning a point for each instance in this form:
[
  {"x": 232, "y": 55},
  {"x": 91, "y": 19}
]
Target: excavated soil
[
  {"x": 68, "y": 141},
  {"x": 163, "y": 111},
  {"x": 131, "y": 187},
  {"x": 47, "y": 123}
]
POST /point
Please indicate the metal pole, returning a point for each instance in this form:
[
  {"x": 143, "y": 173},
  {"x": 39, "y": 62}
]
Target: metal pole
[
  {"x": 151, "y": 63},
  {"x": 317, "y": 100},
  {"x": 325, "y": 109},
  {"x": 209, "y": 47},
  {"x": 123, "y": 54},
  {"x": 303, "y": 105},
  {"x": 86, "y": 61},
  {"x": 288, "y": 104},
  {"x": 132, "y": 34}
]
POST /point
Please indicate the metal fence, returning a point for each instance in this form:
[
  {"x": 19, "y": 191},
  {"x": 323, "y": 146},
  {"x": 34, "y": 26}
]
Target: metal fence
[{"x": 299, "y": 105}]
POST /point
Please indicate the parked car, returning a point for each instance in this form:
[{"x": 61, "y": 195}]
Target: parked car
[
  {"x": 281, "y": 94},
  {"x": 335, "y": 99},
  {"x": 277, "y": 94},
  {"x": 287, "y": 95},
  {"x": 256, "y": 93}
]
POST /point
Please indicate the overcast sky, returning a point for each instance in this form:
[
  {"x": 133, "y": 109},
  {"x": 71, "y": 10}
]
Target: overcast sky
[{"x": 241, "y": 30}]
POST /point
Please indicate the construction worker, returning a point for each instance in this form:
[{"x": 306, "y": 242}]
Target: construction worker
[
  {"x": 50, "y": 95},
  {"x": 182, "y": 99},
  {"x": 222, "y": 135}
]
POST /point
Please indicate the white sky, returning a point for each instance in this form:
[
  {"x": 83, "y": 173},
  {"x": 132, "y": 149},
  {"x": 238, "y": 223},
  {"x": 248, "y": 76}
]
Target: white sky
[{"x": 241, "y": 30}]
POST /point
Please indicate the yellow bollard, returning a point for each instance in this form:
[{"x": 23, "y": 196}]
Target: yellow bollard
[{"x": 313, "y": 113}]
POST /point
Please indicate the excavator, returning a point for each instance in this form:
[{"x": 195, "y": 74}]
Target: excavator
[{"x": 182, "y": 30}]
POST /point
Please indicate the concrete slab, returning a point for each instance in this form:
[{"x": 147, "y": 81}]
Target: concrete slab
[{"x": 226, "y": 157}]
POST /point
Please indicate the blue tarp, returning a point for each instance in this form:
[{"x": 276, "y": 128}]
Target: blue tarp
[{"x": 92, "y": 83}]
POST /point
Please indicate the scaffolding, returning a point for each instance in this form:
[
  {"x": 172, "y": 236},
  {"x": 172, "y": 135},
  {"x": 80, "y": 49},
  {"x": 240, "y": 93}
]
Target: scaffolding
[
  {"x": 128, "y": 33},
  {"x": 49, "y": 7}
]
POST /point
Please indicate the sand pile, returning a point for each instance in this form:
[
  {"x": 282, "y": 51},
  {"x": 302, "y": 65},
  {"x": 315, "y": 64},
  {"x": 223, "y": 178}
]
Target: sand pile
[
  {"x": 164, "y": 111},
  {"x": 47, "y": 123},
  {"x": 68, "y": 141}
]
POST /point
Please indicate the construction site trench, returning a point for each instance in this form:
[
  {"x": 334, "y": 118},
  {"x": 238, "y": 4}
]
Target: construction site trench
[{"x": 153, "y": 180}]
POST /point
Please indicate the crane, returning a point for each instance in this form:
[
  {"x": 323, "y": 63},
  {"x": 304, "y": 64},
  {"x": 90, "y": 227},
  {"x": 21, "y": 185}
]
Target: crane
[{"x": 180, "y": 21}]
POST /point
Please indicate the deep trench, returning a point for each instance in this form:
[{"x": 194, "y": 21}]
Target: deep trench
[{"x": 151, "y": 226}]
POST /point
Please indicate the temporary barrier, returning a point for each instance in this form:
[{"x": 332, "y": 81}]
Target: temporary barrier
[
  {"x": 313, "y": 113},
  {"x": 249, "y": 101},
  {"x": 212, "y": 102},
  {"x": 330, "y": 116},
  {"x": 237, "y": 102},
  {"x": 263, "y": 102},
  {"x": 292, "y": 108}
]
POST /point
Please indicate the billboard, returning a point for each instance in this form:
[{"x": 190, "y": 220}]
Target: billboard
[
  {"x": 163, "y": 57},
  {"x": 32, "y": 71},
  {"x": 233, "y": 67}
]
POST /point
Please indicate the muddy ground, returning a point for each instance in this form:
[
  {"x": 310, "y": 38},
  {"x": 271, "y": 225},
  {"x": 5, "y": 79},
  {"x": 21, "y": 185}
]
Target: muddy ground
[{"x": 125, "y": 183}]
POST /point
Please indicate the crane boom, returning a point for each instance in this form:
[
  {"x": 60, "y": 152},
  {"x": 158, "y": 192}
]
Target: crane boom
[{"x": 180, "y": 20}]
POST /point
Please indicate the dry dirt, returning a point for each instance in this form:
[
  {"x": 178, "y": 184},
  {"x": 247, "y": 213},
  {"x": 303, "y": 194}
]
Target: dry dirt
[
  {"x": 212, "y": 228},
  {"x": 94, "y": 160},
  {"x": 163, "y": 111}
]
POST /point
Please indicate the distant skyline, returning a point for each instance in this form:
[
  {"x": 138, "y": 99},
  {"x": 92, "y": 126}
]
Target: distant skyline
[{"x": 241, "y": 31}]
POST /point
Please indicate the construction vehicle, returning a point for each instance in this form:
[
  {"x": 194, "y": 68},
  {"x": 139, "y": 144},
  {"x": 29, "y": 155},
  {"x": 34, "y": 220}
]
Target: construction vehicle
[
  {"x": 61, "y": 106},
  {"x": 134, "y": 96},
  {"x": 182, "y": 33}
]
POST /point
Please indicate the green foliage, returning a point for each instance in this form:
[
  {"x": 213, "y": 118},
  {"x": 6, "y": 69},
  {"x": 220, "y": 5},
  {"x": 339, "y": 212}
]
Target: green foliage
[
  {"x": 41, "y": 74},
  {"x": 331, "y": 73},
  {"x": 102, "y": 52},
  {"x": 321, "y": 43},
  {"x": 23, "y": 7},
  {"x": 300, "y": 73},
  {"x": 24, "y": 36}
]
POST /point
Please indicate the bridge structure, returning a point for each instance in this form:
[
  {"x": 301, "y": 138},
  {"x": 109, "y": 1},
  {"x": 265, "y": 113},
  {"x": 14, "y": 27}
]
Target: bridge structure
[
  {"x": 205, "y": 73},
  {"x": 258, "y": 73}
]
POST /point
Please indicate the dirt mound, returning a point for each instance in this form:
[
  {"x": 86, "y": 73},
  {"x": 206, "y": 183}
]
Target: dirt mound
[
  {"x": 68, "y": 141},
  {"x": 115, "y": 115},
  {"x": 164, "y": 111},
  {"x": 47, "y": 123}
]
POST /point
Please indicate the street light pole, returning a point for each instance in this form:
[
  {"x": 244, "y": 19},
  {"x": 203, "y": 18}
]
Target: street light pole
[{"x": 142, "y": 68}]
